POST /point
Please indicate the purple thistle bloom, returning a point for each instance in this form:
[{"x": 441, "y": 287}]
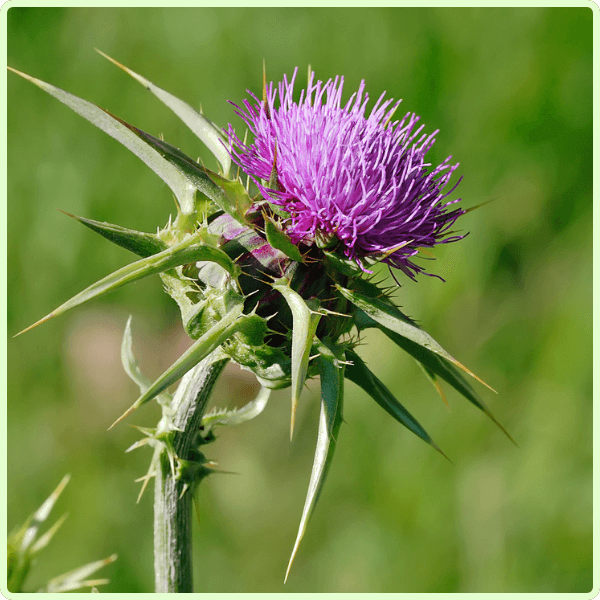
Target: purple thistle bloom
[{"x": 342, "y": 174}]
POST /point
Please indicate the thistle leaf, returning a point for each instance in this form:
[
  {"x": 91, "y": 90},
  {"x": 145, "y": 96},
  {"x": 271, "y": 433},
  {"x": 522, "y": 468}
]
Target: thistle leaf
[
  {"x": 281, "y": 241},
  {"x": 212, "y": 339},
  {"x": 358, "y": 372},
  {"x": 203, "y": 128},
  {"x": 229, "y": 195},
  {"x": 237, "y": 416},
  {"x": 142, "y": 244},
  {"x": 129, "y": 362},
  {"x": 131, "y": 367},
  {"x": 305, "y": 323},
  {"x": 238, "y": 200},
  {"x": 116, "y": 128},
  {"x": 188, "y": 251},
  {"x": 74, "y": 580},
  {"x": 341, "y": 264},
  {"x": 331, "y": 368},
  {"x": 391, "y": 318},
  {"x": 434, "y": 362}
]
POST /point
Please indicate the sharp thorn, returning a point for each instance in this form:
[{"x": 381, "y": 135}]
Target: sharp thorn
[
  {"x": 440, "y": 391},
  {"x": 125, "y": 414},
  {"x": 468, "y": 210},
  {"x": 292, "y": 559},
  {"x": 434, "y": 445},
  {"x": 491, "y": 416},
  {"x": 460, "y": 365},
  {"x": 145, "y": 479},
  {"x": 293, "y": 418},
  {"x": 184, "y": 490},
  {"x": 46, "y": 318}
]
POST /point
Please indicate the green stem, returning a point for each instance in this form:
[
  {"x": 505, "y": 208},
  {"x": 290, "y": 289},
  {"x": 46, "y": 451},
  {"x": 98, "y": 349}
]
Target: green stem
[{"x": 173, "y": 505}]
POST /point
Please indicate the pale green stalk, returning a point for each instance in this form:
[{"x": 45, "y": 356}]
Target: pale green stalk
[{"x": 172, "y": 500}]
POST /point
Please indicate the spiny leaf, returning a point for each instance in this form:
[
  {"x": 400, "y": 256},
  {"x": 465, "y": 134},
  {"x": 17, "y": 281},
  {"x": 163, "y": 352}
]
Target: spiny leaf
[
  {"x": 188, "y": 251},
  {"x": 436, "y": 363},
  {"x": 238, "y": 199},
  {"x": 229, "y": 195},
  {"x": 281, "y": 241},
  {"x": 237, "y": 416},
  {"x": 341, "y": 264},
  {"x": 213, "y": 338},
  {"x": 129, "y": 362},
  {"x": 140, "y": 243},
  {"x": 204, "y": 129},
  {"x": 132, "y": 369},
  {"x": 331, "y": 369},
  {"x": 390, "y": 317},
  {"x": 358, "y": 372},
  {"x": 305, "y": 323},
  {"x": 118, "y": 130}
]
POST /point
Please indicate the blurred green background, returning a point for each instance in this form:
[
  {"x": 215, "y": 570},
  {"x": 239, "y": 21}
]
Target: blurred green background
[{"x": 511, "y": 92}]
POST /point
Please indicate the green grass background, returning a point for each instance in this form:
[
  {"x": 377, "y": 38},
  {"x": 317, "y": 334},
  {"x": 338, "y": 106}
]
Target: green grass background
[{"x": 511, "y": 92}]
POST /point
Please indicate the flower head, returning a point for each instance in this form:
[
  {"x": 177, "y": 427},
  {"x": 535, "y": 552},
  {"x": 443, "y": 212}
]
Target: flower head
[{"x": 344, "y": 177}]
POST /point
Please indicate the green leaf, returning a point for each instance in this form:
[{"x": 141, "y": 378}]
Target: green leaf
[
  {"x": 129, "y": 362},
  {"x": 237, "y": 416},
  {"x": 340, "y": 264},
  {"x": 203, "y": 346},
  {"x": 188, "y": 251},
  {"x": 238, "y": 200},
  {"x": 391, "y": 318},
  {"x": 331, "y": 369},
  {"x": 358, "y": 372},
  {"x": 142, "y": 244},
  {"x": 204, "y": 128},
  {"x": 435, "y": 363},
  {"x": 180, "y": 185},
  {"x": 281, "y": 241},
  {"x": 229, "y": 195},
  {"x": 131, "y": 367},
  {"x": 305, "y": 323}
]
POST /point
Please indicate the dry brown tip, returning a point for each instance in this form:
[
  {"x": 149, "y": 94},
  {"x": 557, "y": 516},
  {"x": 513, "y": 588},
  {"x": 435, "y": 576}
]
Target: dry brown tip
[{"x": 46, "y": 318}]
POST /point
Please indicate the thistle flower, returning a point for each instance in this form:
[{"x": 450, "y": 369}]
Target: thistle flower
[
  {"x": 345, "y": 177},
  {"x": 271, "y": 276}
]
